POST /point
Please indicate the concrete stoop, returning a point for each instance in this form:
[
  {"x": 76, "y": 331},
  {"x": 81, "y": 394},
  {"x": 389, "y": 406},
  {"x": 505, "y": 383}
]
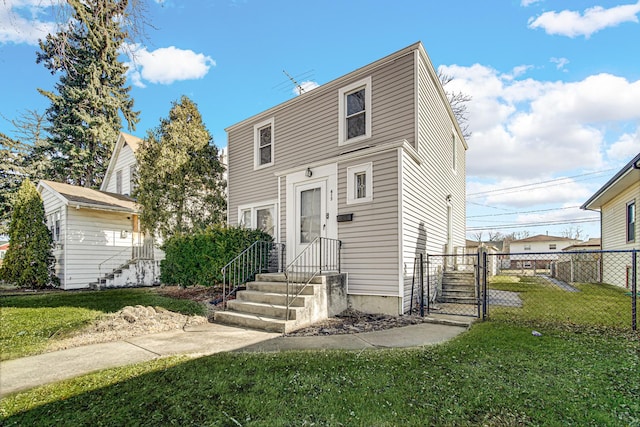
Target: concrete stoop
[{"x": 263, "y": 305}]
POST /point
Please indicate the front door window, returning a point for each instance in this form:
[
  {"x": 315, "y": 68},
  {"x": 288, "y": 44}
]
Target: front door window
[{"x": 310, "y": 214}]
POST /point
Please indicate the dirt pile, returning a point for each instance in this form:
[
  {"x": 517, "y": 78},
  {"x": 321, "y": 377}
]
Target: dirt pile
[{"x": 130, "y": 321}]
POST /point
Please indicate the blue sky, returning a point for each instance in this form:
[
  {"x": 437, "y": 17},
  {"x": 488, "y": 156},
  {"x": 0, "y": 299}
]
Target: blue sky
[{"x": 555, "y": 85}]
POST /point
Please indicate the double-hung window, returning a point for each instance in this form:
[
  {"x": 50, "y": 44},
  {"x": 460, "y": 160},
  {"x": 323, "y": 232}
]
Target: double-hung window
[
  {"x": 263, "y": 138},
  {"x": 355, "y": 112},
  {"x": 260, "y": 217},
  {"x": 631, "y": 222},
  {"x": 360, "y": 183}
]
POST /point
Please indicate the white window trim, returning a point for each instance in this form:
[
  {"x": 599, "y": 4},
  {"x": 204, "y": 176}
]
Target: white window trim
[
  {"x": 352, "y": 171},
  {"x": 256, "y": 143},
  {"x": 261, "y": 205},
  {"x": 342, "y": 120}
]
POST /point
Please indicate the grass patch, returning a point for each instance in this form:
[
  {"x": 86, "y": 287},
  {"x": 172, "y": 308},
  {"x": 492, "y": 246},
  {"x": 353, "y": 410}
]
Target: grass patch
[
  {"x": 495, "y": 374},
  {"x": 29, "y": 322},
  {"x": 597, "y": 306}
]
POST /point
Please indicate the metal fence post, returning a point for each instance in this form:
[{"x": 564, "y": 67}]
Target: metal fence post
[
  {"x": 634, "y": 287},
  {"x": 485, "y": 299},
  {"x": 422, "y": 285}
]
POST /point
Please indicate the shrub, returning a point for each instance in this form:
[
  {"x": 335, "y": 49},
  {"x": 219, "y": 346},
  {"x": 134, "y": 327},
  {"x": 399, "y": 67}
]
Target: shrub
[
  {"x": 196, "y": 259},
  {"x": 29, "y": 262}
]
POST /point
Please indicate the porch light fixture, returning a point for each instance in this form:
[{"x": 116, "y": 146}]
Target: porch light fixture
[{"x": 308, "y": 173}]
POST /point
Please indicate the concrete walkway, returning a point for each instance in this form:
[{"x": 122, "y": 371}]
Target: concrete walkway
[{"x": 28, "y": 372}]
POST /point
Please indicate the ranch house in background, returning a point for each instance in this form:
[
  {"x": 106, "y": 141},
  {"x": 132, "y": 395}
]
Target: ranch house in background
[
  {"x": 543, "y": 249},
  {"x": 97, "y": 236},
  {"x": 374, "y": 159},
  {"x": 617, "y": 202}
]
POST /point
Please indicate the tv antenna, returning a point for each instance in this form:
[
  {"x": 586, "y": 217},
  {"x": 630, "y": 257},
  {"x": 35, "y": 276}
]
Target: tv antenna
[{"x": 300, "y": 88}]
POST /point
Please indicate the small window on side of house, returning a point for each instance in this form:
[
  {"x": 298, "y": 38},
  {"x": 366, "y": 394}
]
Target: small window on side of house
[
  {"x": 263, "y": 135},
  {"x": 354, "y": 110},
  {"x": 245, "y": 218},
  {"x": 527, "y": 247},
  {"x": 631, "y": 222},
  {"x": 132, "y": 179},
  {"x": 360, "y": 183},
  {"x": 552, "y": 246}
]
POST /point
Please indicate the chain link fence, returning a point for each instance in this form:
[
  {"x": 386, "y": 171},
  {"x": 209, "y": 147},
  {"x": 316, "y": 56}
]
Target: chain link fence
[{"x": 583, "y": 288}]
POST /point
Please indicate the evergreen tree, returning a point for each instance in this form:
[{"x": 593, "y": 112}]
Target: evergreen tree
[
  {"x": 85, "y": 113},
  {"x": 20, "y": 158},
  {"x": 29, "y": 261},
  {"x": 179, "y": 184}
]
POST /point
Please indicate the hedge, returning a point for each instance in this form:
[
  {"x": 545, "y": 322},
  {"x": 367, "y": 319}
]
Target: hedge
[{"x": 197, "y": 258}]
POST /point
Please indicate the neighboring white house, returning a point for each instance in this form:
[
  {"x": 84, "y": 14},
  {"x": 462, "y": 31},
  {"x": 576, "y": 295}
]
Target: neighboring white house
[
  {"x": 618, "y": 202},
  {"x": 537, "y": 252},
  {"x": 97, "y": 235},
  {"x": 374, "y": 158}
]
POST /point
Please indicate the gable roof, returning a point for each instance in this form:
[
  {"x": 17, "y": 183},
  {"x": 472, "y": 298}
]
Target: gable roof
[
  {"x": 333, "y": 85},
  {"x": 542, "y": 238},
  {"x": 628, "y": 175},
  {"x": 73, "y": 195},
  {"x": 123, "y": 139},
  {"x": 593, "y": 243}
]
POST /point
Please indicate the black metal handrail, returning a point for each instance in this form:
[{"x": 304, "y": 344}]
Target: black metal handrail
[
  {"x": 322, "y": 255},
  {"x": 260, "y": 257}
]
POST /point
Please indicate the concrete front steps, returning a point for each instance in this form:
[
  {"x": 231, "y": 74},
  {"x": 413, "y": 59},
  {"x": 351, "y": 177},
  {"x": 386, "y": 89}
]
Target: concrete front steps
[
  {"x": 458, "y": 287},
  {"x": 263, "y": 304}
]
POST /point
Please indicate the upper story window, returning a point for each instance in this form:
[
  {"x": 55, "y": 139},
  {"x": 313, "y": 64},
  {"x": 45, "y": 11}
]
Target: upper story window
[
  {"x": 354, "y": 112},
  {"x": 263, "y": 141},
  {"x": 360, "y": 183},
  {"x": 132, "y": 179},
  {"x": 631, "y": 222}
]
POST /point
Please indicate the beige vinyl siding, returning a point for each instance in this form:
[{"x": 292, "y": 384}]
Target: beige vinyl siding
[
  {"x": 92, "y": 238},
  {"x": 370, "y": 241},
  {"x": 306, "y": 131},
  {"x": 614, "y": 220},
  {"x": 425, "y": 187},
  {"x": 53, "y": 204},
  {"x": 123, "y": 163}
]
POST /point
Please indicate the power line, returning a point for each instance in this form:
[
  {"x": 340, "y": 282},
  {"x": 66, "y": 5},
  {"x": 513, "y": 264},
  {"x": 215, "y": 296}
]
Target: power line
[
  {"x": 519, "y": 212},
  {"x": 524, "y": 187},
  {"x": 534, "y": 224}
]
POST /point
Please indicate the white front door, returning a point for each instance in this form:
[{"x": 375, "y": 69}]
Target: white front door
[
  {"x": 311, "y": 213},
  {"x": 311, "y": 208}
]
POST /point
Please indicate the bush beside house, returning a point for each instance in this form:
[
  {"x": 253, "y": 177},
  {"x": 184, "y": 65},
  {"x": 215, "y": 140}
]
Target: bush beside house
[{"x": 197, "y": 258}]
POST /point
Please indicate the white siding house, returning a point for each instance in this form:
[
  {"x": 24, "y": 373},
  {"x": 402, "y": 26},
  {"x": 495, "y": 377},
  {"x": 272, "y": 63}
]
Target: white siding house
[
  {"x": 618, "y": 201},
  {"x": 97, "y": 238},
  {"x": 537, "y": 251},
  {"x": 378, "y": 148}
]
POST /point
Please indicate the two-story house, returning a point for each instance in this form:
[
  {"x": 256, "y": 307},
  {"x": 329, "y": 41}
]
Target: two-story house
[
  {"x": 618, "y": 202},
  {"x": 97, "y": 236},
  {"x": 375, "y": 159},
  {"x": 537, "y": 252}
]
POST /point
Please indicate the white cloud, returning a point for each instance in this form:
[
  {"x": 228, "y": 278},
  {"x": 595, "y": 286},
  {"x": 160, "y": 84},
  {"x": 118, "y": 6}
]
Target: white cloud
[
  {"x": 561, "y": 63},
  {"x": 167, "y": 65},
  {"x": 572, "y": 24},
  {"x": 525, "y": 3},
  {"x": 625, "y": 148},
  {"x": 20, "y": 21},
  {"x": 306, "y": 87},
  {"x": 526, "y": 129}
]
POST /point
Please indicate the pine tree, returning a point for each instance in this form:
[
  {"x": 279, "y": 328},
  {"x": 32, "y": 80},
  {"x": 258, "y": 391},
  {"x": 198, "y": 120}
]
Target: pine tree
[
  {"x": 29, "y": 261},
  {"x": 20, "y": 158},
  {"x": 179, "y": 184},
  {"x": 84, "y": 114}
]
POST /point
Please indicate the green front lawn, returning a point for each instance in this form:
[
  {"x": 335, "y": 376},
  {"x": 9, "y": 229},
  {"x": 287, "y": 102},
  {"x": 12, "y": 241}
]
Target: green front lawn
[
  {"x": 29, "y": 322},
  {"x": 497, "y": 374}
]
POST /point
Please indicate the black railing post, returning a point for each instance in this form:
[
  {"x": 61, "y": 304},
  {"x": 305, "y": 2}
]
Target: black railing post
[
  {"x": 320, "y": 256},
  {"x": 485, "y": 299},
  {"x": 634, "y": 288},
  {"x": 422, "y": 285}
]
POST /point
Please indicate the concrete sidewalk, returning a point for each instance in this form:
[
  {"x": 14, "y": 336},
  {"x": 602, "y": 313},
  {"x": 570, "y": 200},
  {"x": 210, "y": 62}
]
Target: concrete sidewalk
[{"x": 28, "y": 372}]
